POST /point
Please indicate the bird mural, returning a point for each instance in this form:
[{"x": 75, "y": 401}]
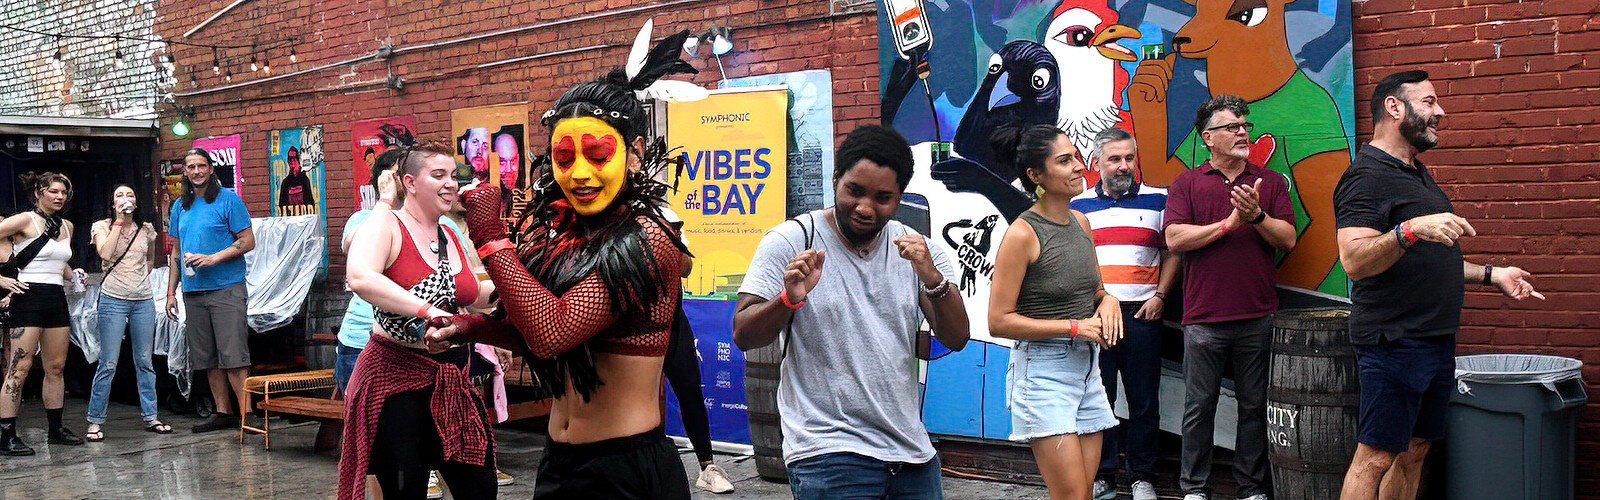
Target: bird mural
[
  {"x": 1021, "y": 88},
  {"x": 1082, "y": 37}
]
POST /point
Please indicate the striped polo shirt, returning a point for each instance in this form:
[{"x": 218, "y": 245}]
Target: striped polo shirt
[{"x": 1127, "y": 238}]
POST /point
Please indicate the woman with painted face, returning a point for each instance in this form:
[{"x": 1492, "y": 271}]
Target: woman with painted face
[
  {"x": 125, "y": 241},
  {"x": 409, "y": 410},
  {"x": 591, "y": 290},
  {"x": 1047, "y": 295},
  {"x": 41, "y": 243}
]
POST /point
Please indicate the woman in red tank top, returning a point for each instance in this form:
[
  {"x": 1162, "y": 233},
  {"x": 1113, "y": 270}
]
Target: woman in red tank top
[
  {"x": 408, "y": 410},
  {"x": 590, "y": 291}
]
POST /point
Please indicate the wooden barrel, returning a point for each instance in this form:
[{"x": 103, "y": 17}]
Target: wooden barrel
[
  {"x": 1312, "y": 401},
  {"x": 761, "y": 403}
]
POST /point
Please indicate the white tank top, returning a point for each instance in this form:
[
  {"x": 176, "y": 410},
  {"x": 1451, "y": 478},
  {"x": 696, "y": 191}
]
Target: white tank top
[{"x": 48, "y": 267}]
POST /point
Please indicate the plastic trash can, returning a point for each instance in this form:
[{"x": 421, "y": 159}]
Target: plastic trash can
[{"x": 1512, "y": 426}]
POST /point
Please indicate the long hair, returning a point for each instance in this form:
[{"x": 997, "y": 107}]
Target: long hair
[
  {"x": 139, "y": 216},
  {"x": 212, "y": 187},
  {"x": 1024, "y": 149}
]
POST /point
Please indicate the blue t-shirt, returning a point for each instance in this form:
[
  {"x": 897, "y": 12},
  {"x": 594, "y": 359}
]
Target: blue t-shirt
[
  {"x": 207, "y": 228},
  {"x": 357, "y": 324}
]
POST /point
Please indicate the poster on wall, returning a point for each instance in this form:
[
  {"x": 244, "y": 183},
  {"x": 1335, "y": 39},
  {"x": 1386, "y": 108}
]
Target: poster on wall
[
  {"x": 953, "y": 72},
  {"x": 370, "y": 138},
  {"x": 224, "y": 150},
  {"x": 490, "y": 142},
  {"x": 810, "y": 135},
  {"x": 297, "y": 176},
  {"x": 734, "y": 148}
]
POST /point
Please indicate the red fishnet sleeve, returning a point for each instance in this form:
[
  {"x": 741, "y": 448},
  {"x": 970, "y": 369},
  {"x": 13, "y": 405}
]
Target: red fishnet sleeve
[
  {"x": 650, "y": 334},
  {"x": 549, "y": 324}
]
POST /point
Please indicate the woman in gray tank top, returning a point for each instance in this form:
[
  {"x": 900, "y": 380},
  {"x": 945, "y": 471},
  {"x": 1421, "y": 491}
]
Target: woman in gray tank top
[{"x": 1047, "y": 296}]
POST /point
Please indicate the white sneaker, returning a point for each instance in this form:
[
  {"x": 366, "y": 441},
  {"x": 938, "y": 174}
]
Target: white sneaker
[
  {"x": 713, "y": 479},
  {"x": 1257, "y": 496},
  {"x": 1196, "y": 496},
  {"x": 434, "y": 491},
  {"x": 1102, "y": 490},
  {"x": 503, "y": 479},
  {"x": 1143, "y": 490}
]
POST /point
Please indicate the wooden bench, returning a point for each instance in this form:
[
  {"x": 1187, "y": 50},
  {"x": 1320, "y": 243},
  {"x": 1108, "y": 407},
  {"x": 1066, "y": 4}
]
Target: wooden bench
[{"x": 269, "y": 386}]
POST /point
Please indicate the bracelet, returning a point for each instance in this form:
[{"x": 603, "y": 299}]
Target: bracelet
[
  {"x": 1073, "y": 331},
  {"x": 937, "y": 291},
  {"x": 1405, "y": 230},
  {"x": 784, "y": 297},
  {"x": 1399, "y": 239},
  {"x": 423, "y": 312},
  {"x": 1259, "y": 217},
  {"x": 1488, "y": 274},
  {"x": 494, "y": 246}
]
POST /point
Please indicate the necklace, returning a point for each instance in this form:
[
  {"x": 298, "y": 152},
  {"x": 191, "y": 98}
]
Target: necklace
[{"x": 432, "y": 246}]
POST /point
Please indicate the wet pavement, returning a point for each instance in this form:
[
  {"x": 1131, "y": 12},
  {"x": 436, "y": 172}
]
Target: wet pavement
[{"x": 132, "y": 463}]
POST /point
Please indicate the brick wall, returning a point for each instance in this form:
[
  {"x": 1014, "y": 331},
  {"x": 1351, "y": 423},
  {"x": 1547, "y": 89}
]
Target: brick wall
[
  {"x": 88, "y": 81},
  {"x": 1520, "y": 152}
]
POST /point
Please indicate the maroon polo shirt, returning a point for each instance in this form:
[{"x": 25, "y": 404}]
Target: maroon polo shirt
[{"x": 1235, "y": 277}]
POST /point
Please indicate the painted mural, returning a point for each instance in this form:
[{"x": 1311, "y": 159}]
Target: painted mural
[{"x": 955, "y": 70}]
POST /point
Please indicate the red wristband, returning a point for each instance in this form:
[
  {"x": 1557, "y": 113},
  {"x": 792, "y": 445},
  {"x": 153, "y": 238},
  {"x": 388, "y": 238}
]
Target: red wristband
[
  {"x": 423, "y": 312},
  {"x": 784, "y": 297},
  {"x": 494, "y": 246},
  {"x": 1074, "y": 331},
  {"x": 1405, "y": 230}
]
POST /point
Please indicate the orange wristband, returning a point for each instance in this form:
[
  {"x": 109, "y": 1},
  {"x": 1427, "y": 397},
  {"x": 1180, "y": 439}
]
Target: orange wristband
[
  {"x": 1074, "y": 331},
  {"x": 494, "y": 246},
  {"x": 784, "y": 296},
  {"x": 423, "y": 312}
]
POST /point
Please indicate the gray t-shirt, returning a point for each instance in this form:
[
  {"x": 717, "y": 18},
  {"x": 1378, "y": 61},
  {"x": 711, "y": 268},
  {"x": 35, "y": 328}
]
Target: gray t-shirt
[{"x": 849, "y": 381}]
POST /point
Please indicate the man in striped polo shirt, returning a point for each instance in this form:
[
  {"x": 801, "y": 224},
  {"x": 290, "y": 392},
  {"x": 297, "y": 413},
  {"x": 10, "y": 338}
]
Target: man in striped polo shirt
[{"x": 1138, "y": 270}]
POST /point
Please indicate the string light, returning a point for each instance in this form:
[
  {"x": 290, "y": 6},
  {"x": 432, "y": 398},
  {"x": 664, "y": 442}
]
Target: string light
[
  {"x": 216, "y": 62},
  {"x": 266, "y": 63},
  {"x": 253, "y": 66},
  {"x": 228, "y": 76},
  {"x": 292, "y": 57}
]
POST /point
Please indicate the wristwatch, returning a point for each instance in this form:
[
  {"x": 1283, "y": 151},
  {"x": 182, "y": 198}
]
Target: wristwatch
[
  {"x": 1488, "y": 274},
  {"x": 1259, "y": 217}
]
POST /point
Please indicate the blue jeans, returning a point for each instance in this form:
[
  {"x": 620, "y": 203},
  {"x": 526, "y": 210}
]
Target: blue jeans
[
  {"x": 1138, "y": 359},
  {"x": 138, "y": 318},
  {"x": 344, "y": 363},
  {"x": 848, "y": 475}
]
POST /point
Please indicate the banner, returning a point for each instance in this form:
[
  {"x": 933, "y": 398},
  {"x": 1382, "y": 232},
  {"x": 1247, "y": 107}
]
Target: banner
[
  {"x": 810, "y": 135},
  {"x": 370, "y": 138},
  {"x": 735, "y": 152},
  {"x": 224, "y": 150},
  {"x": 734, "y": 147},
  {"x": 952, "y": 72},
  {"x": 298, "y": 179},
  {"x": 490, "y": 142}
]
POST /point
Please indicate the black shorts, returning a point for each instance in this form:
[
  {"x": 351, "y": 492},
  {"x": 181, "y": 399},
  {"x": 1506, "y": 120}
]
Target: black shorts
[
  {"x": 642, "y": 466},
  {"x": 1405, "y": 390},
  {"x": 42, "y": 305}
]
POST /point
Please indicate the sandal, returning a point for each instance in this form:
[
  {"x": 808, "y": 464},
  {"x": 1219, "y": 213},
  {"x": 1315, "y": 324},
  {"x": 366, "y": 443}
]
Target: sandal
[
  {"x": 157, "y": 427},
  {"x": 95, "y": 434}
]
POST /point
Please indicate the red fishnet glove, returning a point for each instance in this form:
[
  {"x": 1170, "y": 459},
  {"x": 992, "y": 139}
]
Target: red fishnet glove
[{"x": 483, "y": 215}]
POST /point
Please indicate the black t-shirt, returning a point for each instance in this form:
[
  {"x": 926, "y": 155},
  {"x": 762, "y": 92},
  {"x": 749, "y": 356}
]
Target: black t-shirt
[{"x": 1421, "y": 294}]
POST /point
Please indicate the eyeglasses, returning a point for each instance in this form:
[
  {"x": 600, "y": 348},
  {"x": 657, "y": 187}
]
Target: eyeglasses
[{"x": 1234, "y": 128}]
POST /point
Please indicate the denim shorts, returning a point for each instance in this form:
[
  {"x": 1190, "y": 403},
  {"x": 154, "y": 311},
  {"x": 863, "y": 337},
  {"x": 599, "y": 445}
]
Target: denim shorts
[{"x": 1053, "y": 387}]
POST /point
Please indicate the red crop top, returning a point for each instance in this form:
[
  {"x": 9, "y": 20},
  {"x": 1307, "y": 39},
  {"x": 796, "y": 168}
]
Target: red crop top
[{"x": 410, "y": 268}]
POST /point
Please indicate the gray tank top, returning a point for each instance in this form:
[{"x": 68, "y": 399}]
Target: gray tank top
[{"x": 1061, "y": 283}]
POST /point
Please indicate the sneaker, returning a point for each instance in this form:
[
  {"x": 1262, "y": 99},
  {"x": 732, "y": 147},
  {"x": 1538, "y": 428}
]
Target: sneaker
[
  {"x": 1103, "y": 490},
  {"x": 1257, "y": 496},
  {"x": 217, "y": 422},
  {"x": 434, "y": 491},
  {"x": 1143, "y": 490},
  {"x": 503, "y": 479},
  {"x": 714, "y": 480},
  {"x": 1195, "y": 496}
]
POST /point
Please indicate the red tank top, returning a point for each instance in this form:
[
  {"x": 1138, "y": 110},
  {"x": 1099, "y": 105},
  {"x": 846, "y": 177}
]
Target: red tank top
[{"x": 410, "y": 268}]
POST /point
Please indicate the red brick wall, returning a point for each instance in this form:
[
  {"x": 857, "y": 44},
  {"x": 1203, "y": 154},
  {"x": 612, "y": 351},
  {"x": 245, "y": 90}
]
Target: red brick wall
[{"x": 1520, "y": 153}]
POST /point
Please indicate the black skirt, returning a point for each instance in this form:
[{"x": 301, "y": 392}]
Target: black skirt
[{"x": 42, "y": 305}]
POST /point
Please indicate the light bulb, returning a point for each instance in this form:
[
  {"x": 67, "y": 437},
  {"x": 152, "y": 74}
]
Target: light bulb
[
  {"x": 721, "y": 44},
  {"x": 691, "y": 46}
]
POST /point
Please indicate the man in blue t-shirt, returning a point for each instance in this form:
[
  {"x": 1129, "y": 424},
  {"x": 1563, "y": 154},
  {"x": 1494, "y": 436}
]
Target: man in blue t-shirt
[{"x": 211, "y": 229}]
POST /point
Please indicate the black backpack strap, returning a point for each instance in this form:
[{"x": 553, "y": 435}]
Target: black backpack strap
[{"x": 810, "y": 237}]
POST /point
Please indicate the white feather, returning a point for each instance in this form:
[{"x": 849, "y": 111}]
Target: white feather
[
  {"x": 641, "y": 49},
  {"x": 673, "y": 91}
]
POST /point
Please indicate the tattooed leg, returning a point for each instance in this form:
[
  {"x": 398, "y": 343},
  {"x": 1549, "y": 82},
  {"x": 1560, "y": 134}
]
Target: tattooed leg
[{"x": 19, "y": 362}]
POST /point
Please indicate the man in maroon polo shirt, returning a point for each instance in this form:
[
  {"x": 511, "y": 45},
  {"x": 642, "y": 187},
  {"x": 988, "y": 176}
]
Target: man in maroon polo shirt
[{"x": 1227, "y": 217}]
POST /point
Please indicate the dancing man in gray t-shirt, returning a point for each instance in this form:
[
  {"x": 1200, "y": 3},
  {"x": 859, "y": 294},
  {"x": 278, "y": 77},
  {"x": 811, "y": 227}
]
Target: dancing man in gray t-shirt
[{"x": 848, "y": 393}]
